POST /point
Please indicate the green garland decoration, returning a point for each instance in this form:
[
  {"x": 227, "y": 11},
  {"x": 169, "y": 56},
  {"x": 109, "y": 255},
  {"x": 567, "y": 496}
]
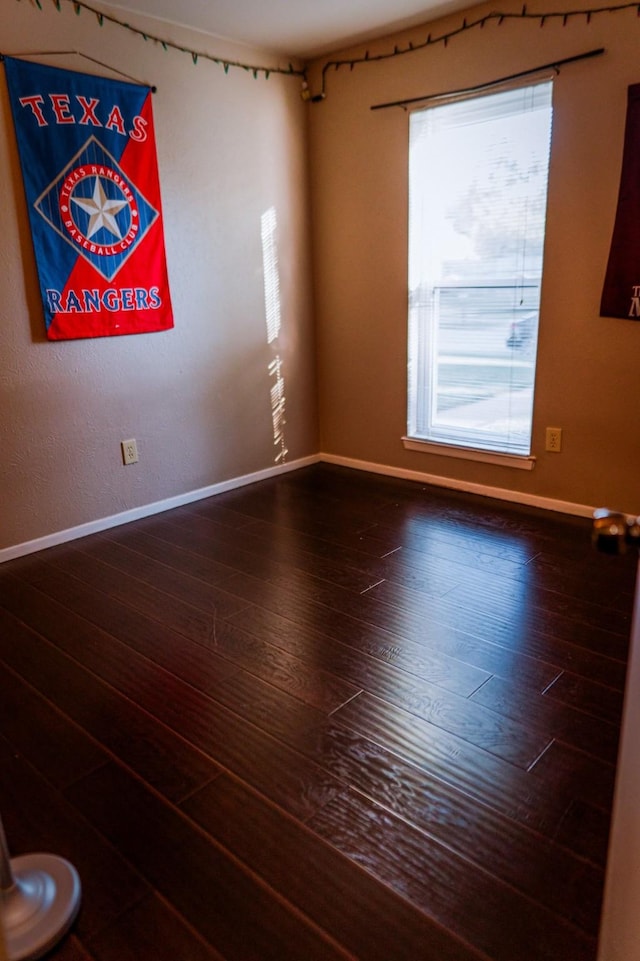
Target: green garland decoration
[
  {"x": 480, "y": 22},
  {"x": 499, "y": 17},
  {"x": 257, "y": 70}
]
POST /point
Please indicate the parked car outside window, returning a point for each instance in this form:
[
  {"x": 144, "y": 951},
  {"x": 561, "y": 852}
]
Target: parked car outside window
[{"x": 522, "y": 330}]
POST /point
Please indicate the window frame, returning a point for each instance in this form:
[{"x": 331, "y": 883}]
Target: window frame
[{"x": 443, "y": 442}]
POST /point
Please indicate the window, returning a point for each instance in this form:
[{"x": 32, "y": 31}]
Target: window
[{"x": 477, "y": 200}]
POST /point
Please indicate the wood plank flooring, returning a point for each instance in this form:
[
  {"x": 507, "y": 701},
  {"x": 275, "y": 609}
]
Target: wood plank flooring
[{"x": 331, "y": 715}]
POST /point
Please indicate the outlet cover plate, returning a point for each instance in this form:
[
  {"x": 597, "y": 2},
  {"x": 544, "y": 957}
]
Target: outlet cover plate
[{"x": 129, "y": 451}]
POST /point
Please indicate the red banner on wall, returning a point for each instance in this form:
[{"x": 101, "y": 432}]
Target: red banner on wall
[
  {"x": 88, "y": 157},
  {"x": 621, "y": 291}
]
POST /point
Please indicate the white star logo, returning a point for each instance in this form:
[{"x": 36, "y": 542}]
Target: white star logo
[{"x": 101, "y": 210}]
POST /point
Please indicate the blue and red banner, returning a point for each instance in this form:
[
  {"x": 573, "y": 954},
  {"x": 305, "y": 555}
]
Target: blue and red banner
[{"x": 88, "y": 157}]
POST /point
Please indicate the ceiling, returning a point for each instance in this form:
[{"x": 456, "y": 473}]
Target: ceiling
[{"x": 294, "y": 28}]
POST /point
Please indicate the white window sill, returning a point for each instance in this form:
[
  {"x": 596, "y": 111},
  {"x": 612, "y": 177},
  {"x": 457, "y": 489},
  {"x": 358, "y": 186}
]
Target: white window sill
[{"x": 519, "y": 461}]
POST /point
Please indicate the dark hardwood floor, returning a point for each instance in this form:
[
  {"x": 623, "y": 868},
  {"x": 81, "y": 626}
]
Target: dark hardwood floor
[{"x": 330, "y": 715}]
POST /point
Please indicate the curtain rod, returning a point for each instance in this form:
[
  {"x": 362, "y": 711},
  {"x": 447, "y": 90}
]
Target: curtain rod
[{"x": 554, "y": 65}]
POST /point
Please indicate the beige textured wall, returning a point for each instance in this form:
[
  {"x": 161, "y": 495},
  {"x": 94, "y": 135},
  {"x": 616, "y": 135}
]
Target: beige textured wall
[
  {"x": 589, "y": 367},
  {"x": 197, "y": 398}
]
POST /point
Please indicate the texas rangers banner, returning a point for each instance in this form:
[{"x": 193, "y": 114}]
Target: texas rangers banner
[
  {"x": 621, "y": 292},
  {"x": 89, "y": 166}
]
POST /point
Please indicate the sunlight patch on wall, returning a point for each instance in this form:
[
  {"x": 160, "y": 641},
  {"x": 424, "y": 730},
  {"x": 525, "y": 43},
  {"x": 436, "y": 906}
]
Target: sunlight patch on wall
[
  {"x": 273, "y": 320},
  {"x": 278, "y": 410}
]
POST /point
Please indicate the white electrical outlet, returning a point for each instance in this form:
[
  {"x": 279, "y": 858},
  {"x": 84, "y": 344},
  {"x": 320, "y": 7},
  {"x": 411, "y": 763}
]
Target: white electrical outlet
[{"x": 129, "y": 451}]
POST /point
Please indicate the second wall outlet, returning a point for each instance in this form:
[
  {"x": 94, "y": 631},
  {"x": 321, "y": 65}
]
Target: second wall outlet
[
  {"x": 129, "y": 451},
  {"x": 554, "y": 439}
]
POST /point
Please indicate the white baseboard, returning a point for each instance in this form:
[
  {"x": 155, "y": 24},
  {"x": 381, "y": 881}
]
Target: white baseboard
[
  {"x": 501, "y": 493},
  {"x": 146, "y": 510}
]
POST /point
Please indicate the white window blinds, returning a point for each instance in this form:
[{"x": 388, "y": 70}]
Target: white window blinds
[{"x": 477, "y": 201}]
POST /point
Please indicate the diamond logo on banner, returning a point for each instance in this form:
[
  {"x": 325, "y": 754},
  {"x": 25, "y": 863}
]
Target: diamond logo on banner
[{"x": 96, "y": 209}]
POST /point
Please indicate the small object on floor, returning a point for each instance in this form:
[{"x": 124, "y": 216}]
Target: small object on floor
[{"x": 39, "y": 901}]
